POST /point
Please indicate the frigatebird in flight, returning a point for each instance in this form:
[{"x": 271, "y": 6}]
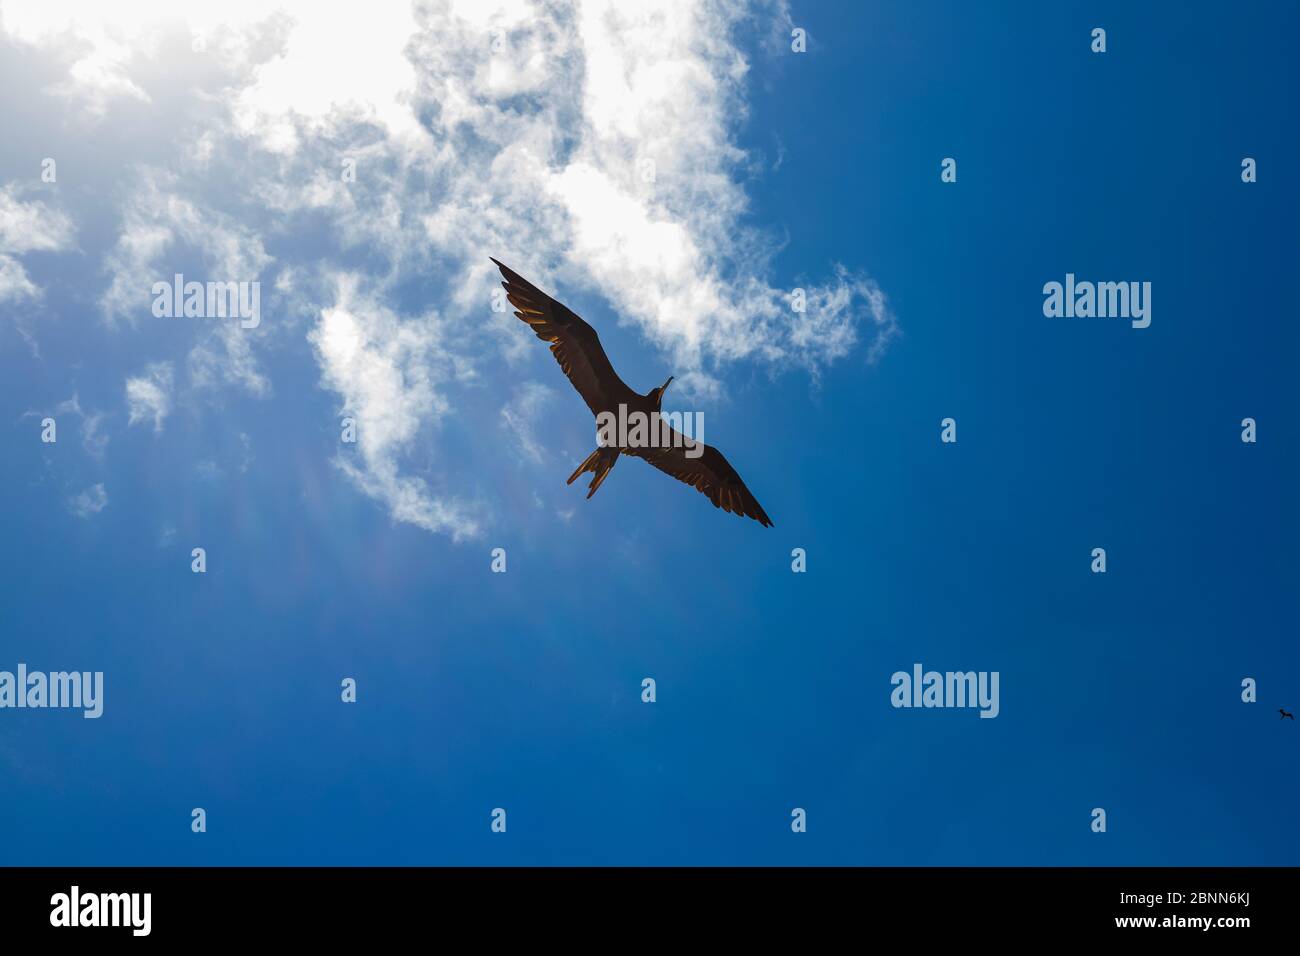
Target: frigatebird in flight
[
  {"x": 1285, "y": 714},
  {"x": 577, "y": 348}
]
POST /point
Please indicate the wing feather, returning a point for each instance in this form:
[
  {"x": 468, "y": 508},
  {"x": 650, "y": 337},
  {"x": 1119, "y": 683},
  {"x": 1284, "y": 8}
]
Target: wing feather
[
  {"x": 574, "y": 343},
  {"x": 710, "y": 473}
]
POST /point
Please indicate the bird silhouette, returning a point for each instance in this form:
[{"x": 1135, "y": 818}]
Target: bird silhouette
[
  {"x": 1285, "y": 714},
  {"x": 577, "y": 348}
]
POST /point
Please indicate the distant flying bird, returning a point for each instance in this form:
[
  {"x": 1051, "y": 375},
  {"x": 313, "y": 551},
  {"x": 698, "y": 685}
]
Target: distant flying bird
[
  {"x": 577, "y": 348},
  {"x": 1285, "y": 714}
]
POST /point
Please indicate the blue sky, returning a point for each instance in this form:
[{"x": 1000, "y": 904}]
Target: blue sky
[{"x": 522, "y": 690}]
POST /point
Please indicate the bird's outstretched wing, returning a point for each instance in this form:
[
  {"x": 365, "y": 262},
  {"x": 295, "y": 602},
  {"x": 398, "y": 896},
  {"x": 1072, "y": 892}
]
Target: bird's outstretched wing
[
  {"x": 574, "y": 343},
  {"x": 710, "y": 474}
]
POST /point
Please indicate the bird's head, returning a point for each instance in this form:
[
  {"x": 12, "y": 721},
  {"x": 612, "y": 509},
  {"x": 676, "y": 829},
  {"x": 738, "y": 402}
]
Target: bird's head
[{"x": 656, "y": 395}]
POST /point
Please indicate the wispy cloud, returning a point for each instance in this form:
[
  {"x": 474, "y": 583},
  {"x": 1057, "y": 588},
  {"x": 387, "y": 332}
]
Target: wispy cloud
[
  {"x": 387, "y": 371},
  {"x": 93, "y": 439},
  {"x": 157, "y": 221},
  {"x": 148, "y": 396},
  {"x": 27, "y": 226},
  {"x": 32, "y": 225},
  {"x": 15, "y": 285},
  {"x": 89, "y": 502},
  {"x": 522, "y": 416},
  {"x": 95, "y": 52}
]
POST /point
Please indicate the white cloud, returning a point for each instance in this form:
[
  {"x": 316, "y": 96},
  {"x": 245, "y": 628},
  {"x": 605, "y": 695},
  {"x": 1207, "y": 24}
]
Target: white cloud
[
  {"x": 155, "y": 221},
  {"x": 31, "y": 226},
  {"x": 89, "y": 502},
  {"x": 148, "y": 396},
  {"x": 387, "y": 371},
  {"x": 303, "y": 88},
  {"x": 95, "y": 53},
  {"x": 27, "y": 227},
  {"x": 225, "y": 357},
  {"x": 92, "y": 439},
  {"x": 100, "y": 46},
  {"x": 15, "y": 285}
]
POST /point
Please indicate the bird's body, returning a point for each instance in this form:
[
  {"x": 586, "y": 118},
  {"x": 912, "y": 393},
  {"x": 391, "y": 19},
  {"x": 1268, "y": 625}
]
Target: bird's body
[
  {"x": 1285, "y": 714},
  {"x": 583, "y": 360}
]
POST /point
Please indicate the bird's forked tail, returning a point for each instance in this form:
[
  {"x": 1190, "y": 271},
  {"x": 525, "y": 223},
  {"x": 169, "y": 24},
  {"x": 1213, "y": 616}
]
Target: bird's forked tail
[{"x": 599, "y": 463}]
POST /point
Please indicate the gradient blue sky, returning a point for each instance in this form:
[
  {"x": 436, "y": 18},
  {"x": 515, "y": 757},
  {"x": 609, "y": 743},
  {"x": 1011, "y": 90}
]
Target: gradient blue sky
[{"x": 522, "y": 690}]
